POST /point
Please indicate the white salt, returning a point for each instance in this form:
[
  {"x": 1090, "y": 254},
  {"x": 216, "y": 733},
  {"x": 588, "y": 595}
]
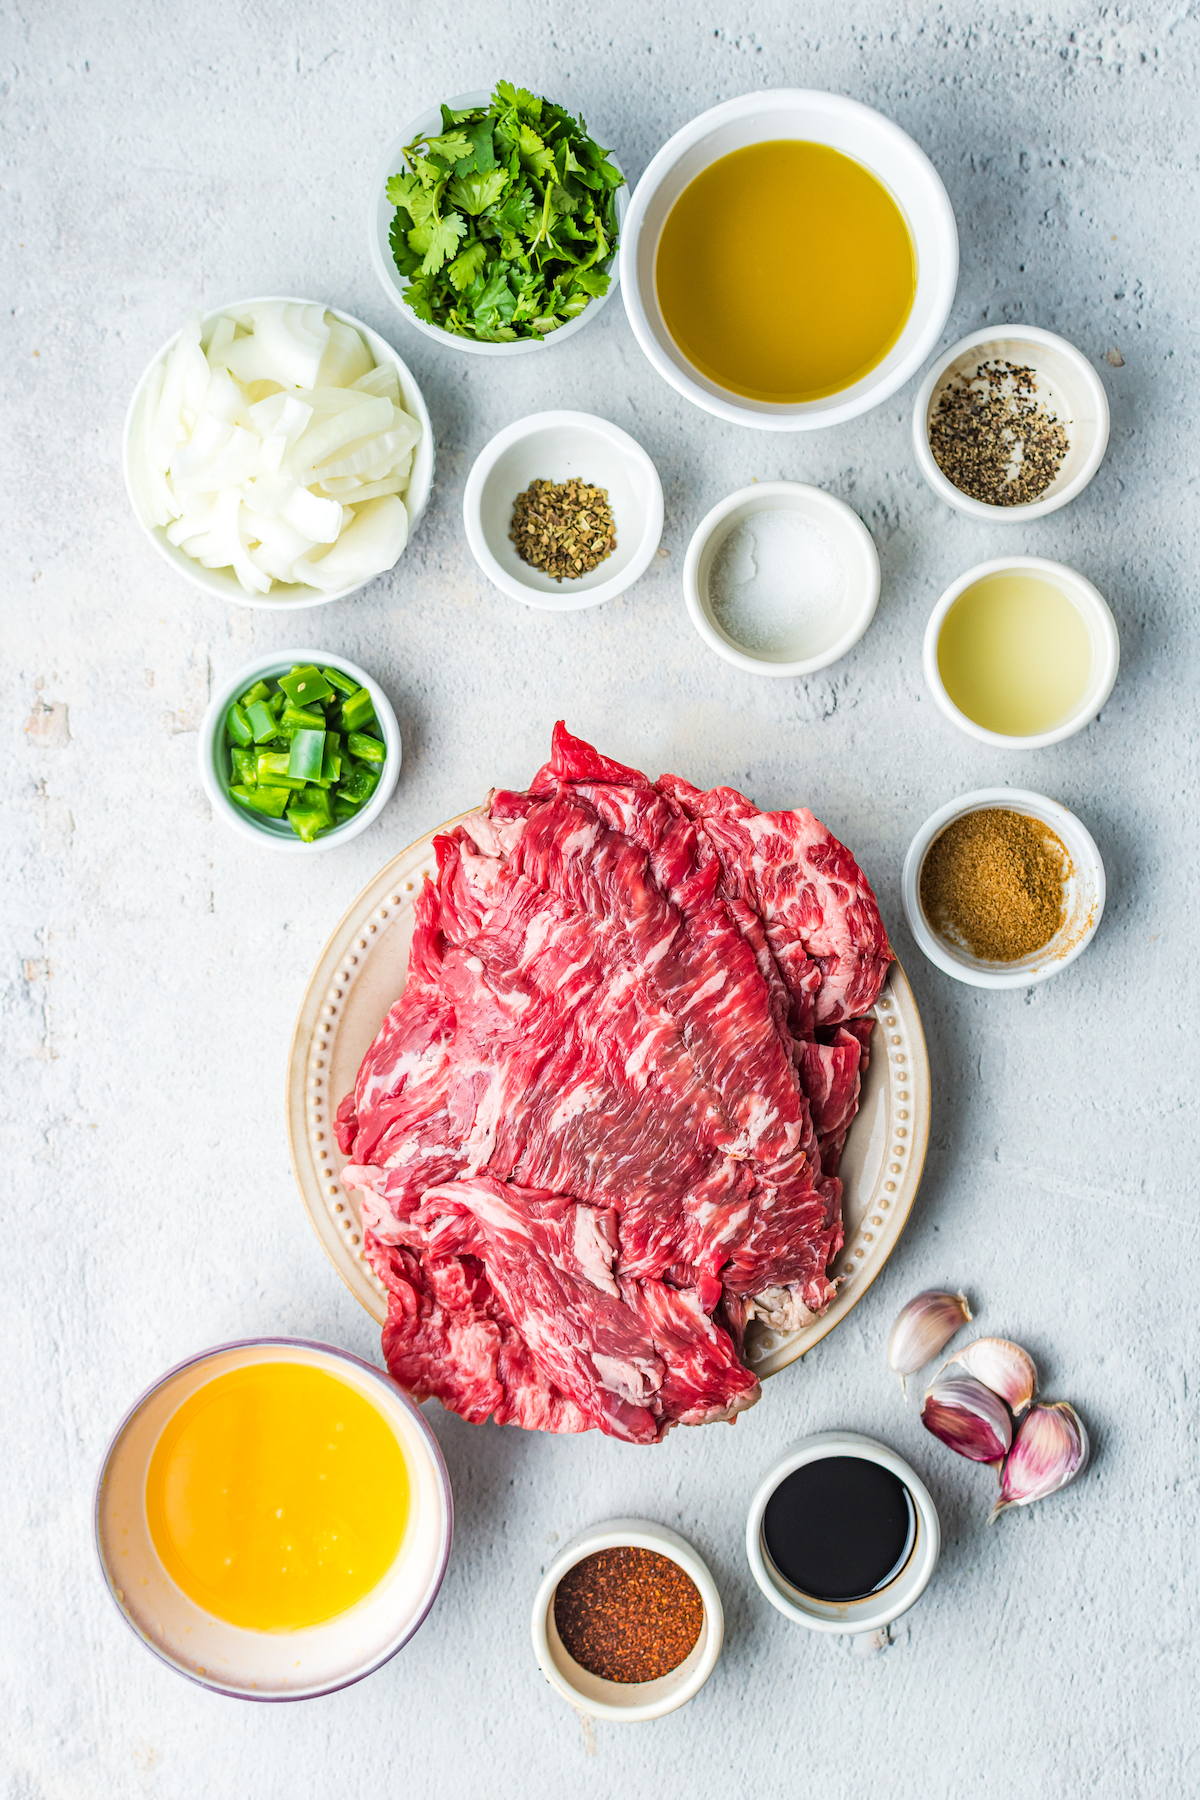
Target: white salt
[{"x": 775, "y": 584}]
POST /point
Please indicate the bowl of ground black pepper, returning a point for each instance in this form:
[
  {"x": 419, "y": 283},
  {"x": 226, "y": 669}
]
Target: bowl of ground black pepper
[
  {"x": 627, "y": 1621},
  {"x": 1003, "y": 888},
  {"x": 1010, "y": 424},
  {"x": 563, "y": 510}
]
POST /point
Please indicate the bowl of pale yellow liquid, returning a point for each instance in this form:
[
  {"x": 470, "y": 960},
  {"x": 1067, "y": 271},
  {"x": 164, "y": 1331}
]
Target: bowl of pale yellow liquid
[
  {"x": 789, "y": 259},
  {"x": 1021, "y": 652},
  {"x": 273, "y": 1519}
]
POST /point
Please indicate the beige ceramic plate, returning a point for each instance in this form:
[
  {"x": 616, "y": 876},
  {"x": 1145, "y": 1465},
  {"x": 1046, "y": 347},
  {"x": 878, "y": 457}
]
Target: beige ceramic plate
[{"x": 361, "y": 972}]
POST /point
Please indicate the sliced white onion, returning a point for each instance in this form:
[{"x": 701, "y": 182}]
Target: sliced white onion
[
  {"x": 382, "y": 380},
  {"x": 346, "y": 356},
  {"x": 277, "y": 450},
  {"x": 320, "y": 520}
]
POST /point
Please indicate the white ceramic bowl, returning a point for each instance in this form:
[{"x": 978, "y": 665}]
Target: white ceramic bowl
[
  {"x": 1066, "y": 382},
  {"x": 1084, "y": 895},
  {"x": 857, "y": 131},
  {"x": 277, "y": 834},
  {"x": 283, "y": 596},
  {"x": 232, "y": 1659},
  {"x": 557, "y": 446},
  {"x": 627, "y": 1702},
  {"x": 1102, "y": 630},
  {"x": 875, "y": 1610},
  {"x": 380, "y": 213},
  {"x": 829, "y": 637}
]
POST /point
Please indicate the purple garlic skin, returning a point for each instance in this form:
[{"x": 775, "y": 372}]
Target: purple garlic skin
[
  {"x": 1004, "y": 1367},
  {"x": 923, "y": 1328},
  {"x": 1051, "y": 1448},
  {"x": 968, "y": 1417}
]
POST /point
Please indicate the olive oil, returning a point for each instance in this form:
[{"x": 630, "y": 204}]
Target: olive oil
[
  {"x": 1014, "y": 654},
  {"x": 785, "y": 271}
]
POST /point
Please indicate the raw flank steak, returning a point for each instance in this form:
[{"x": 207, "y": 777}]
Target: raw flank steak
[{"x": 599, "y": 1131}]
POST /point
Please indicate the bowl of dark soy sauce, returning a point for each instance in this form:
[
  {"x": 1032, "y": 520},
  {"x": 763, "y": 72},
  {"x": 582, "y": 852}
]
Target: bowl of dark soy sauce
[{"x": 842, "y": 1534}]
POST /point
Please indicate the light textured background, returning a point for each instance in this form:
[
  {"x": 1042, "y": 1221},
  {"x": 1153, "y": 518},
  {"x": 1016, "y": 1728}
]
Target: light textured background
[{"x": 158, "y": 158}]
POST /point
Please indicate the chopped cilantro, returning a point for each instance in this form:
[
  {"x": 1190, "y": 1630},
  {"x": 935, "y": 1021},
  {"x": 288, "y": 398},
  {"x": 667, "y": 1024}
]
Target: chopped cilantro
[{"x": 506, "y": 221}]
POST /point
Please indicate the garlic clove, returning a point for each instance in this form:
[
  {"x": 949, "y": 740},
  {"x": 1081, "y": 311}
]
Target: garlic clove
[
  {"x": 1004, "y": 1367},
  {"x": 968, "y": 1417},
  {"x": 1051, "y": 1448},
  {"x": 924, "y": 1327}
]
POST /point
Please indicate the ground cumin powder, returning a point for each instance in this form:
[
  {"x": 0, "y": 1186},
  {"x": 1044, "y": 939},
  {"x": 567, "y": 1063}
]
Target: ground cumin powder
[
  {"x": 993, "y": 882},
  {"x": 628, "y": 1614}
]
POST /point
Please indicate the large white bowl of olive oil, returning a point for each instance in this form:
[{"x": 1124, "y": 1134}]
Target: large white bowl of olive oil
[
  {"x": 789, "y": 259},
  {"x": 1021, "y": 652}
]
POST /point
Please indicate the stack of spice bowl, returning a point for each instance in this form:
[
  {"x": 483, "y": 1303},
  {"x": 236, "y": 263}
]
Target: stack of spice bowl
[
  {"x": 627, "y": 1622},
  {"x": 1003, "y": 888}
]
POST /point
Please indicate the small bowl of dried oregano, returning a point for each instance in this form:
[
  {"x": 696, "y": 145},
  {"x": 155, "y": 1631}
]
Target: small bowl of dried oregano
[
  {"x": 1010, "y": 423},
  {"x": 563, "y": 510},
  {"x": 1003, "y": 888}
]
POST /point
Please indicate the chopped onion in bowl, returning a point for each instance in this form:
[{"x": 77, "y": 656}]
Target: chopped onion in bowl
[{"x": 279, "y": 449}]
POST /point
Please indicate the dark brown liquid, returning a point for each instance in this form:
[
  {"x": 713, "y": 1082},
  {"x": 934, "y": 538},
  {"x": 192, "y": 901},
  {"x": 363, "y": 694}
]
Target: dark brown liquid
[{"x": 839, "y": 1528}]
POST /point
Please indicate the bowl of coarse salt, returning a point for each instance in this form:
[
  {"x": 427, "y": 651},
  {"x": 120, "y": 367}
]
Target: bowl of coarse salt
[{"x": 781, "y": 578}]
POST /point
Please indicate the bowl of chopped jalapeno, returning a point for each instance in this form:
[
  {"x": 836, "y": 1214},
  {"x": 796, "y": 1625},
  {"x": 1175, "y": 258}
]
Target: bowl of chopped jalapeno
[{"x": 300, "y": 751}]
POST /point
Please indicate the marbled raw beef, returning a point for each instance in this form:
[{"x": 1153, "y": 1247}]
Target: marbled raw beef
[{"x": 599, "y": 1130}]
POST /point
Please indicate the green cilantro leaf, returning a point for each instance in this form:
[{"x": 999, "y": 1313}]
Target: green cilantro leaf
[
  {"x": 436, "y": 238},
  {"x": 474, "y": 193},
  {"x": 467, "y": 265},
  {"x": 507, "y": 98},
  {"x": 533, "y": 152},
  {"x": 451, "y": 147}
]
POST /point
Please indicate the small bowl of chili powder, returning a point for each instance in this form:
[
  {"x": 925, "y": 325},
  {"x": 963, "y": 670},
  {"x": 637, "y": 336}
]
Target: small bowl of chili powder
[
  {"x": 1003, "y": 888},
  {"x": 627, "y": 1622}
]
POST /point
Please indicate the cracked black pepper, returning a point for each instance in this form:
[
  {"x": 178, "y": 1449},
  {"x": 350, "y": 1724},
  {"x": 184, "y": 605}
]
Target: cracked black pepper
[
  {"x": 994, "y": 439},
  {"x": 564, "y": 528}
]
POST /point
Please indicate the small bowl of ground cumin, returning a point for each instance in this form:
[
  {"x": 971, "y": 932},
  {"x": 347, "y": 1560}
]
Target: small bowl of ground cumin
[
  {"x": 1003, "y": 888},
  {"x": 1010, "y": 423},
  {"x": 627, "y": 1621}
]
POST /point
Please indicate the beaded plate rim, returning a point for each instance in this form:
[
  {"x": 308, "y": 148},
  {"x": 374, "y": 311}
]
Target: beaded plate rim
[{"x": 896, "y": 1094}]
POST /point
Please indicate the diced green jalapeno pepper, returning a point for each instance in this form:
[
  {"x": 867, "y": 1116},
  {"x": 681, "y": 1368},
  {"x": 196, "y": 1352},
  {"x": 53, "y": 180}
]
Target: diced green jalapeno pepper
[
  {"x": 367, "y": 749},
  {"x": 359, "y": 784},
  {"x": 358, "y": 709},
  {"x": 345, "y": 684},
  {"x": 238, "y": 726},
  {"x": 269, "y": 800},
  {"x": 260, "y": 691},
  {"x": 245, "y": 771},
  {"x": 305, "y": 685},
  {"x": 262, "y": 722},
  {"x": 271, "y": 767},
  {"x": 302, "y": 720},
  {"x": 307, "y": 754}
]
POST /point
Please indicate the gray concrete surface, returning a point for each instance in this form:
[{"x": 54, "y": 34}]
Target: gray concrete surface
[{"x": 156, "y": 159}]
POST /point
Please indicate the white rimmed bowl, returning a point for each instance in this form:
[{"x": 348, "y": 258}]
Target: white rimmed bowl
[
  {"x": 269, "y": 1665},
  {"x": 380, "y": 213},
  {"x": 283, "y": 596},
  {"x": 1066, "y": 382},
  {"x": 875, "y": 1610},
  {"x": 559, "y": 446},
  {"x": 833, "y": 635},
  {"x": 1084, "y": 895},
  {"x": 816, "y": 117},
  {"x": 1094, "y": 610},
  {"x": 277, "y": 834},
  {"x": 627, "y": 1702}
]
